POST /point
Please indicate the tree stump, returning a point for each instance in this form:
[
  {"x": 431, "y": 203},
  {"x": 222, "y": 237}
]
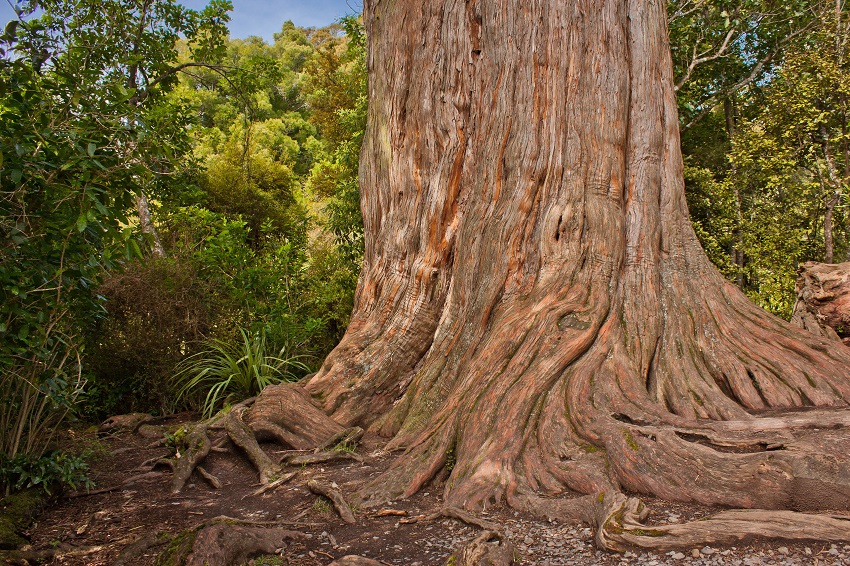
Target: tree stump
[{"x": 823, "y": 300}]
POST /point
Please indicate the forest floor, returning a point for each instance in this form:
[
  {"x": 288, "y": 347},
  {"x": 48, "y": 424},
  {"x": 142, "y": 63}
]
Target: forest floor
[{"x": 93, "y": 529}]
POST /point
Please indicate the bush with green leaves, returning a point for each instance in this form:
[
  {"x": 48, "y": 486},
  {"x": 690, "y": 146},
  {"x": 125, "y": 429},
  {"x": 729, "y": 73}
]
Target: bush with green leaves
[
  {"x": 50, "y": 472},
  {"x": 84, "y": 129},
  {"x": 225, "y": 372},
  {"x": 215, "y": 281}
]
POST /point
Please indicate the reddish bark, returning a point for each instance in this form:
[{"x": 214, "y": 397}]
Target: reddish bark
[{"x": 535, "y": 314}]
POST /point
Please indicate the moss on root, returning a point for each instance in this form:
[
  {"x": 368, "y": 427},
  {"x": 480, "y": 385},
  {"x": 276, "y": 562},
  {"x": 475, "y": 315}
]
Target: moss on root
[
  {"x": 17, "y": 512},
  {"x": 177, "y": 549}
]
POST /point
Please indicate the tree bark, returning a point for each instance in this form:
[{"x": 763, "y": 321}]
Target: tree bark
[
  {"x": 535, "y": 314},
  {"x": 823, "y": 300},
  {"x": 147, "y": 226}
]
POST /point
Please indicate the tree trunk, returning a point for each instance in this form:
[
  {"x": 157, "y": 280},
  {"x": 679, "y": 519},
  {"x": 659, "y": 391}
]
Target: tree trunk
[
  {"x": 737, "y": 234},
  {"x": 535, "y": 314},
  {"x": 147, "y": 226}
]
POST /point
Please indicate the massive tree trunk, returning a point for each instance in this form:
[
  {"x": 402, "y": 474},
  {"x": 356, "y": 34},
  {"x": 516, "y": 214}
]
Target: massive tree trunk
[{"x": 535, "y": 315}]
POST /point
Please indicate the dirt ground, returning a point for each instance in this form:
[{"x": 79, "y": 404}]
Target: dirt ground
[{"x": 93, "y": 529}]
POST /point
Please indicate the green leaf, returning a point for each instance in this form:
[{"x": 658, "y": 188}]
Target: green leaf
[
  {"x": 82, "y": 222},
  {"x": 92, "y": 147},
  {"x": 16, "y": 175}
]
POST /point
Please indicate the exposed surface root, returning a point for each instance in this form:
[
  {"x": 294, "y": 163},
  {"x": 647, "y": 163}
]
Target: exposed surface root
[
  {"x": 197, "y": 447},
  {"x": 320, "y": 458},
  {"x": 455, "y": 513},
  {"x": 242, "y": 436},
  {"x": 223, "y": 544},
  {"x": 346, "y": 438},
  {"x": 621, "y": 525},
  {"x": 133, "y": 553},
  {"x": 487, "y": 549},
  {"x": 339, "y": 503},
  {"x": 211, "y": 479},
  {"x": 132, "y": 480},
  {"x": 823, "y": 299},
  {"x": 275, "y": 484},
  {"x": 352, "y": 560},
  {"x": 285, "y": 413}
]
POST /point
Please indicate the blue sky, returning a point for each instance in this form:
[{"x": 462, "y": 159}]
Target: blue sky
[{"x": 263, "y": 17}]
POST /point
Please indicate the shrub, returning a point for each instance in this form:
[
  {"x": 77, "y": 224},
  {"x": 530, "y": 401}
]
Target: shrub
[
  {"x": 158, "y": 310},
  {"x": 225, "y": 372}
]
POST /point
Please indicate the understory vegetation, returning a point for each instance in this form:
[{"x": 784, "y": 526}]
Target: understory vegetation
[{"x": 180, "y": 210}]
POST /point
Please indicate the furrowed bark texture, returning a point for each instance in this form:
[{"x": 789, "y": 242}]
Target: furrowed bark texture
[{"x": 535, "y": 314}]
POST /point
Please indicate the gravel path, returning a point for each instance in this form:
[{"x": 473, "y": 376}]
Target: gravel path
[{"x": 549, "y": 543}]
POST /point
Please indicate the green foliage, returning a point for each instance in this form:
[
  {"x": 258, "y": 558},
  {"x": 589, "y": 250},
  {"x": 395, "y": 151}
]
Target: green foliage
[
  {"x": 53, "y": 471},
  {"x": 224, "y": 372},
  {"x": 338, "y": 96},
  {"x": 767, "y": 174},
  {"x": 84, "y": 129},
  {"x": 159, "y": 310},
  {"x": 252, "y": 241}
]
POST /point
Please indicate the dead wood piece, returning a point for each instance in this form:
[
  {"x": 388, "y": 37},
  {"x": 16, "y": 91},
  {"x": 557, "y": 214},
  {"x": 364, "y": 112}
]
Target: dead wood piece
[
  {"x": 242, "y": 436},
  {"x": 348, "y": 437},
  {"x": 353, "y": 560},
  {"x": 621, "y": 525},
  {"x": 320, "y": 458},
  {"x": 197, "y": 447},
  {"x": 213, "y": 481},
  {"x": 464, "y": 516},
  {"x": 275, "y": 484},
  {"x": 336, "y": 498},
  {"x": 130, "y": 421},
  {"x": 223, "y": 544},
  {"x": 285, "y": 413},
  {"x": 391, "y": 513},
  {"x": 488, "y": 549},
  {"x": 823, "y": 299}
]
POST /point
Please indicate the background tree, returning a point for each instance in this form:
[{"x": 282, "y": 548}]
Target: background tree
[
  {"x": 243, "y": 224},
  {"x": 764, "y": 189}
]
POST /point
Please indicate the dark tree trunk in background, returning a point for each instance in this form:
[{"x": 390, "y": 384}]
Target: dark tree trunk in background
[{"x": 535, "y": 315}]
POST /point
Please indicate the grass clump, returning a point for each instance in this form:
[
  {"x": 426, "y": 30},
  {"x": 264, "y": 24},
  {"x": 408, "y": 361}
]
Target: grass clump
[{"x": 224, "y": 373}]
